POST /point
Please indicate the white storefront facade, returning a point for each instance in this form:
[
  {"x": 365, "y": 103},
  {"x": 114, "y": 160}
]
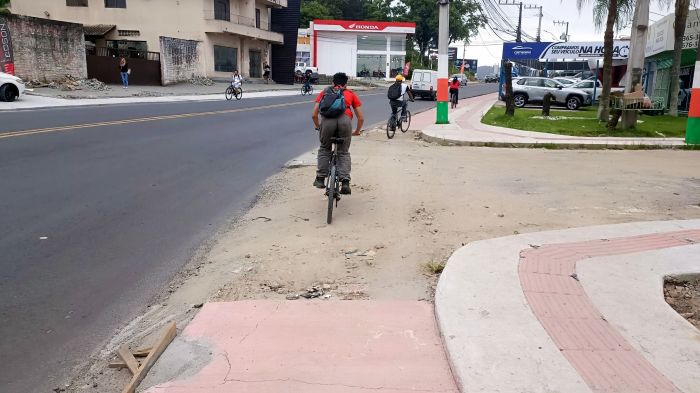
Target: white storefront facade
[{"x": 359, "y": 48}]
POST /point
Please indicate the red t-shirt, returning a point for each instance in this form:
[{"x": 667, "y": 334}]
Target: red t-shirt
[
  {"x": 454, "y": 84},
  {"x": 351, "y": 100}
]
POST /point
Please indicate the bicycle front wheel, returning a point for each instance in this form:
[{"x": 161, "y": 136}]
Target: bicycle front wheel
[
  {"x": 391, "y": 127},
  {"x": 331, "y": 190},
  {"x": 303, "y": 91},
  {"x": 406, "y": 122},
  {"x": 229, "y": 93}
]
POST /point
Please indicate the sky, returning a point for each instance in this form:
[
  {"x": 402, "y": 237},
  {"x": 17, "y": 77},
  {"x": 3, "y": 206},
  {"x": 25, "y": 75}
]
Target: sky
[{"x": 486, "y": 46}]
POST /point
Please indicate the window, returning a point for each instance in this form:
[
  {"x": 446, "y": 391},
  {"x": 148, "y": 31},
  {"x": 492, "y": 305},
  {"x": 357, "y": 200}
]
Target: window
[
  {"x": 521, "y": 82},
  {"x": 585, "y": 85},
  {"x": 533, "y": 82},
  {"x": 222, "y": 10},
  {"x": 371, "y": 42},
  {"x": 257, "y": 18},
  {"x": 128, "y": 33},
  {"x": 304, "y": 57},
  {"x": 115, "y": 3},
  {"x": 398, "y": 43},
  {"x": 551, "y": 84},
  {"x": 371, "y": 65},
  {"x": 77, "y": 3},
  {"x": 225, "y": 59},
  {"x": 396, "y": 65}
]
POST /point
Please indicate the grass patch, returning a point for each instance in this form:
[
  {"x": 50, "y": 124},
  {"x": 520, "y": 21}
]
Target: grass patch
[
  {"x": 435, "y": 267},
  {"x": 584, "y": 122}
]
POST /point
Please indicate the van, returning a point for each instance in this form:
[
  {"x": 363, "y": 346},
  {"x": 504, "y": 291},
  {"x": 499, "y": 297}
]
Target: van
[{"x": 424, "y": 84}]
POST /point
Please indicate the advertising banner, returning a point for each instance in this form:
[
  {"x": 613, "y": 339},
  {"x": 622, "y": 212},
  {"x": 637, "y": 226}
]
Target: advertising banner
[
  {"x": 556, "y": 51},
  {"x": 469, "y": 64},
  {"x": 7, "y": 63}
]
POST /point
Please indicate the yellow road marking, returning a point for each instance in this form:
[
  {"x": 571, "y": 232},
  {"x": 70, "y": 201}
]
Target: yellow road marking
[{"x": 12, "y": 134}]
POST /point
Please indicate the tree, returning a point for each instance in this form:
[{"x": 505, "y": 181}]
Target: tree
[
  {"x": 681, "y": 16},
  {"x": 615, "y": 13},
  {"x": 311, "y": 10},
  {"x": 465, "y": 20},
  {"x": 4, "y": 5}
]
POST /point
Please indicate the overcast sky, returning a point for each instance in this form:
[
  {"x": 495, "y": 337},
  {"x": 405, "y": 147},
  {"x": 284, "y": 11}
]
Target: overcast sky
[{"x": 486, "y": 47}]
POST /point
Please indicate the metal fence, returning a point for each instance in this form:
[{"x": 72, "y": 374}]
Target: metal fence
[
  {"x": 228, "y": 17},
  {"x": 126, "y": 53}
]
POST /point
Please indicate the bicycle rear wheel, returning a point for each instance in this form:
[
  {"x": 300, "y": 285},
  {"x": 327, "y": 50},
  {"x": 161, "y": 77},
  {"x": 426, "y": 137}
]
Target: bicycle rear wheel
[
  {"x": 331, "y": 190},
  {"x": 405, "y": 123},
  {"x": 229, "y": 93},
  {"x": 303, "y": 91},
  {"x": 391, "y": 127},
  {"x": 238, "y": 93}
]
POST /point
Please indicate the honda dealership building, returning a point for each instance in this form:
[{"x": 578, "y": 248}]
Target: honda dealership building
[{"x": 359, "y": 48}]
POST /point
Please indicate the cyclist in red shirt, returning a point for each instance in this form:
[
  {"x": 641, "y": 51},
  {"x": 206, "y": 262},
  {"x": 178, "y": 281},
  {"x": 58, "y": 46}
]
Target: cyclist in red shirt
[{"x": 340, "y": 127}]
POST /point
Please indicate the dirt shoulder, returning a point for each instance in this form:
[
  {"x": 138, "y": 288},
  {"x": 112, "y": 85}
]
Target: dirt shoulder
[{"x": 412, "y": 203}]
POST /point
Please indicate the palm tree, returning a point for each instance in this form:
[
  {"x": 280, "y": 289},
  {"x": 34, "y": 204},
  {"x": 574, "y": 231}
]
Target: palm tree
[
  {"x": 615, "y": 13},
  {"x": 682, "y": 9}
]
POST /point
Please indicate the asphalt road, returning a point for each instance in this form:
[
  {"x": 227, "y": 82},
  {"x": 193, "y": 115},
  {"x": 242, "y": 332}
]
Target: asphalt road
[{"x": 101, "y": 206}]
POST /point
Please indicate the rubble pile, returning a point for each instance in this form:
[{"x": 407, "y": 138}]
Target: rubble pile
[
  {"x": 201, "y": 81},
  {"x": 70, "y": 83}
]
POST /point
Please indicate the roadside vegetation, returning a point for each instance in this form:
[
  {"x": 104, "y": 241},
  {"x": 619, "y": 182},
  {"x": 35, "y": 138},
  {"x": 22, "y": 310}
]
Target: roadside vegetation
[{"x": 584, "y": 122}]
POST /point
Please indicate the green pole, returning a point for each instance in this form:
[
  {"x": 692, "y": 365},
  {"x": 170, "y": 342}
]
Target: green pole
[{"x": 692, "y": 133}]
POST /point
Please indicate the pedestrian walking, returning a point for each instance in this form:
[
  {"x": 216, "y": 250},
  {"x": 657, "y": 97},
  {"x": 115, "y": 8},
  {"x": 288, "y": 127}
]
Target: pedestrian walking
[
  {"x": 266, "y": 72},
  {"x": 124, "y": 71}
]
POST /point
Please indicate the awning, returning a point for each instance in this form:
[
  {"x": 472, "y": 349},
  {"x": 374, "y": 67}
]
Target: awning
[{"x": 97, "y": 30}]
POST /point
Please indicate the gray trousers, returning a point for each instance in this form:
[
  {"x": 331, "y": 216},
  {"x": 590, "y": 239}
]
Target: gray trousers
[{"x": 340, "y": 127}]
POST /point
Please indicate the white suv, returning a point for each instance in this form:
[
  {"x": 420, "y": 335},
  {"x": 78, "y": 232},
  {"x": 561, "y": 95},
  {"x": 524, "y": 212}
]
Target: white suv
[
  {"x": 532, "y": 90},
  {"x": 11, "y": 87}
]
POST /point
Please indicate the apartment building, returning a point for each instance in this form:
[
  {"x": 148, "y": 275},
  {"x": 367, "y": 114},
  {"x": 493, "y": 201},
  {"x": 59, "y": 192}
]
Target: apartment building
[{"x": 231, "y": 34}]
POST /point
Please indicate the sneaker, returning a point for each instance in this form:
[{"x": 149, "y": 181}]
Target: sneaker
[
  {"x": 320, "y": 182},
  {"x": 345, "y": 187}
]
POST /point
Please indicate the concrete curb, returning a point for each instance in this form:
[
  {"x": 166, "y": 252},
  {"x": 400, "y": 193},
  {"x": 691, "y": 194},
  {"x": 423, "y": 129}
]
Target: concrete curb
[{"x": 494, "y": 341}]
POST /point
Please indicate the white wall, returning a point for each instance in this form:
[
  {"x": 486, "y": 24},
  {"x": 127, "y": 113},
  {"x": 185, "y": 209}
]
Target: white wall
[{"x": 337, "y": 52}]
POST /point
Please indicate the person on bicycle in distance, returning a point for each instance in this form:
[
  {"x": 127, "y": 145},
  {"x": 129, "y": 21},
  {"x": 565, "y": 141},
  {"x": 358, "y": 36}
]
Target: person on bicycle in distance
[
  {"x": 399, "y": 94},
  {"x": 336, "y": 121},
  {"x": 454, "y": 89},
  {"x": 236, "y": 80},
  {"x": 306, "y": 78}
]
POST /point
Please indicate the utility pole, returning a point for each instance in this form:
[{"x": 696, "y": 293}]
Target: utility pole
[
  {"x": 561, "y": 22},
  {"x": 635, "y": 63},
  {"x": 519, "y": 33},
  {"x": 692, "y": 133},
  {"x": 443, "y": 69},
  {"x": 539, "y": 24}
]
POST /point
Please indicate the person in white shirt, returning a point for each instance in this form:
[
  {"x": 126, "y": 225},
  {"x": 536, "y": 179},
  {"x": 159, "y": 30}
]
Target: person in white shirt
[
  {"x": 236, "y": 80},
  {"x": 402, "y": 100}
]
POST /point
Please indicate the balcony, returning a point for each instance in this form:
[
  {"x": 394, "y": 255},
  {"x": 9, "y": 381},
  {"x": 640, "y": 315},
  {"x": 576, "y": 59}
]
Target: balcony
[
  {"x": 218, "y": 22},
  {"x": 274, "y": 3}
]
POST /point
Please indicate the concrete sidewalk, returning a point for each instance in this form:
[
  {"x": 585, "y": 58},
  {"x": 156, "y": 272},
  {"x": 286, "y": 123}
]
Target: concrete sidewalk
[
  {"x": 37, "y": 102},
  {"x": 578, "y": 310},
  {"x": 466, "y": 128}
]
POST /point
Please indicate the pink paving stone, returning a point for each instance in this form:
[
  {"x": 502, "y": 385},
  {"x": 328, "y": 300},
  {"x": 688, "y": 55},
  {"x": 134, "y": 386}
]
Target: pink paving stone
[
  {"x": 317, "y": 346},
  {"x": 594, "y": 348}
]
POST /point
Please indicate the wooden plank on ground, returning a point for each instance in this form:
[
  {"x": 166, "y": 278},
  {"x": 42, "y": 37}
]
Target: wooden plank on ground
[
  {"x": 143, "y": 352},
  {"x": 128, "y": 358},
  {"x": 168, "y": 336}
]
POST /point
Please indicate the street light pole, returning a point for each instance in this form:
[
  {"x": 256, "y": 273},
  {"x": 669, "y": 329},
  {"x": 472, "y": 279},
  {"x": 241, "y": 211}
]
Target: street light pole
[{"x": 443, "y": 42}]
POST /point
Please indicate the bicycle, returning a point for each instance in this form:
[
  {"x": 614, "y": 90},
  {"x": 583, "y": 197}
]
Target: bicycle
[
  {"x": 403, "y": 123},
  {"x": 333, "y": 182},
  {"x": 453, "y": 99},
  {"x": 233, "y": 92},
  {"x": 307, "y": 90}
]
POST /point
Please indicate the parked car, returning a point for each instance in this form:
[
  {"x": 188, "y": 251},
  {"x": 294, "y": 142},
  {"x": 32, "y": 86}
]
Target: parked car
[
  {"x": 461, "y": 78},
  {"x": 11, "y": 87},
  {"x": 532, "y": 90},
  {"x": 588, "y": 85},
  {"x": 566, "y": 81},
  {"x": 491, "y": 78},
  {"x": 584, "y": 75},
  {"x": 424, "y": 84},
  {"x": 301, "y": 67}
]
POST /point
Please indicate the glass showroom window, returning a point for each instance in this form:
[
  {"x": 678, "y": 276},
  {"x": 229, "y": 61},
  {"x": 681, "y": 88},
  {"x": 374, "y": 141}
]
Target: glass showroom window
[
  {"x": 371, "y": 66},
  {"x": 396, "y": 66},
  {"x": 371, "y": 42},
  {"x": 398, "y": 43}
]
